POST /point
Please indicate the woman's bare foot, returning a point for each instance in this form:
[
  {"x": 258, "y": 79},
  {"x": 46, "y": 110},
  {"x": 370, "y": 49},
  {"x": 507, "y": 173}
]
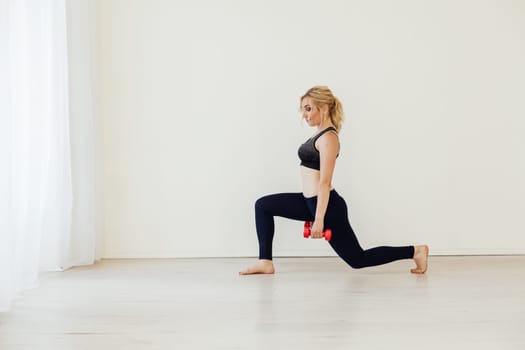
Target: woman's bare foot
[
  {"x": 262, "y": 266},
  {"x": 421, "y": 259}
]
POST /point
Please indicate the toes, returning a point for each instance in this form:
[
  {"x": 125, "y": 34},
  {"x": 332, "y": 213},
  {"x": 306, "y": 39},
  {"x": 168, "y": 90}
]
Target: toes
[
  {"x": 418, "y": 271},
  {"x": 257, "y": 269},
  {"x": 250, "y": 271}
]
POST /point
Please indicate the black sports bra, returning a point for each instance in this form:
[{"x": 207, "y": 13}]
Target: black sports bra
[{"x": 308, "y": 154}]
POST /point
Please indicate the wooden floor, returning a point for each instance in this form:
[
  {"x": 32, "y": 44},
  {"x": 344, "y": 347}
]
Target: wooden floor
[{"x": 311, "y": 303}]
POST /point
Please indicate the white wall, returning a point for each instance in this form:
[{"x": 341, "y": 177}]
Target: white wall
[{"x": 199, "y": 108}]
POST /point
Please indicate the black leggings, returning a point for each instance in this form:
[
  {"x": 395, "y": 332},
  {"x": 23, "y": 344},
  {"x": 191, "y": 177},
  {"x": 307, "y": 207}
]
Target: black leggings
[{"x": 344, "y": 242}]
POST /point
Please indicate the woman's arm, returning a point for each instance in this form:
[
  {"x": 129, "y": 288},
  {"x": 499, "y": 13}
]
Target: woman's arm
[{"x": 328, "y": 146}]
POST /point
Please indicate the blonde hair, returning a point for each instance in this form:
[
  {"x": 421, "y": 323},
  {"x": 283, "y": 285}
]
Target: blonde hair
[{"x": 322, "y": 95}]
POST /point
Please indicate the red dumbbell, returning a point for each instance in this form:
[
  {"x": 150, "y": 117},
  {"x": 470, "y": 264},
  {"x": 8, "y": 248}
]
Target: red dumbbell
[{"x": 327, "y": 234}]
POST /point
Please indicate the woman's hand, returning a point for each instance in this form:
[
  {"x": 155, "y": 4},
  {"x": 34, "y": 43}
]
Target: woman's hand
[{"x": 317, "y": 229}]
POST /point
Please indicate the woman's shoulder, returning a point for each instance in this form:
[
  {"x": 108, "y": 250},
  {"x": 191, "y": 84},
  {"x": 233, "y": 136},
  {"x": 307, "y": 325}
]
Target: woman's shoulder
[
  {"x": 328, "y": 130},
  {"x": 330, "y": 140},
  {"x": 328, "y": 133},
  {"x": 330, "y": 136}
]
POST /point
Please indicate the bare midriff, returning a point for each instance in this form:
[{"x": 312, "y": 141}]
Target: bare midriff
[{"x": 310, "y": 179}]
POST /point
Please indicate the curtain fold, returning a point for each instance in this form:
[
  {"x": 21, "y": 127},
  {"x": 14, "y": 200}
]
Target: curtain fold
[
  {"x": 86, "y": 227},
  {"x": 36, "y": 159}
]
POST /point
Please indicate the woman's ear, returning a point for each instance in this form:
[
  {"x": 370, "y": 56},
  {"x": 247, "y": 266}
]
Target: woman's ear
[{"x": 324, "y": 109}]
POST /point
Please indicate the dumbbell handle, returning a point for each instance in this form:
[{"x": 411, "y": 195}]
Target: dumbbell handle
[{"x": 327, "y": 234}]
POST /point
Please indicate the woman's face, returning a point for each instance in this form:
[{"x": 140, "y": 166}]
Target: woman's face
[{"x": 311, "y": 113}]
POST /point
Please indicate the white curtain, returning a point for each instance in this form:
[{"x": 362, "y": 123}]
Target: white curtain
[
  {"x": 86, "y": 231},
  {"x": 47, "y": 208}
]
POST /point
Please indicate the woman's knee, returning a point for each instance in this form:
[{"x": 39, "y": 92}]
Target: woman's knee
[
  {"x": 353, "y": 257},
  {"x": 261, "y": 204},
  {"x": 356, "y": 263}
]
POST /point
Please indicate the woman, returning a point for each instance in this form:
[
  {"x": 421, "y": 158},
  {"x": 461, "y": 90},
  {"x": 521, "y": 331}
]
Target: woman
[{"x": 319, "y": 202}]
